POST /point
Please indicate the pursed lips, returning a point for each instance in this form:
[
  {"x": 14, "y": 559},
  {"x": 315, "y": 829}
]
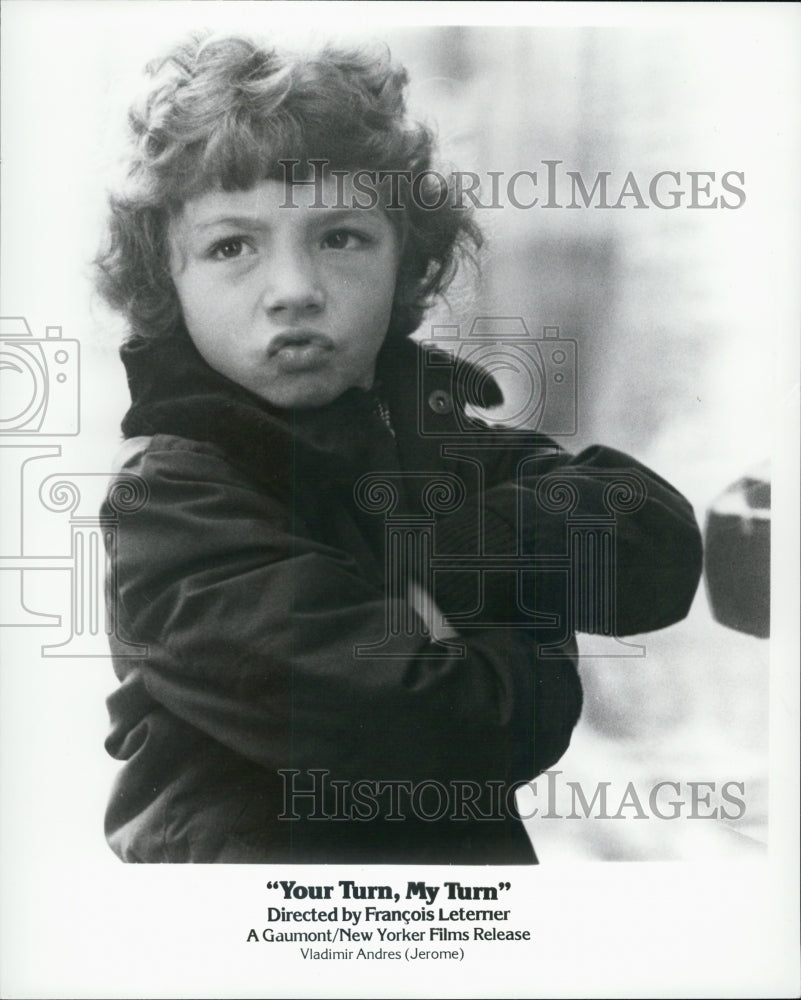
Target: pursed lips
[{"x": 300, "y": 339}]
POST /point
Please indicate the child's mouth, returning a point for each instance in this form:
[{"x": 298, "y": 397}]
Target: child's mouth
[{"x": 298, "y": 350}]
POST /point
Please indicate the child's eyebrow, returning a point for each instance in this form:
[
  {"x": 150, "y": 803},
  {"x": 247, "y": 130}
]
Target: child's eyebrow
[
  {"x": 322, "y": 216},
  {"x": 338, "y": 216},
  {"x": 241, "y": 221}
]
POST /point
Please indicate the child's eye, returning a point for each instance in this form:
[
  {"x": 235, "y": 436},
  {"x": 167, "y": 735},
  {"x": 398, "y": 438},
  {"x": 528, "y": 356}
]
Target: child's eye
[
  {"x": 229, "y": 248},
  {"x": 344, "y": 239}
]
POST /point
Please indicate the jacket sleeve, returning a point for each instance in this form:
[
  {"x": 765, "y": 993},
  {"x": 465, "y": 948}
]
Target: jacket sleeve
[
  {"x": 615, "y": 546},
  {"x": 253, "y": 629}
]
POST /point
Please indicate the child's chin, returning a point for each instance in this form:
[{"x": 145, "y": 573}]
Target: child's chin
[{"x": 302, "y": 397}]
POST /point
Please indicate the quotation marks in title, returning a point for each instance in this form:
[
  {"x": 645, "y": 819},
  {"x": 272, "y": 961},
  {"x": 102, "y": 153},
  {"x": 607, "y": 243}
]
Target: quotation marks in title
[{"x": 348, "y": 889}]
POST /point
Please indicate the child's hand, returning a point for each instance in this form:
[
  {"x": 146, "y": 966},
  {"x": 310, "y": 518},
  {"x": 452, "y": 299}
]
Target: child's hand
[{"x": 435, "y": 623}]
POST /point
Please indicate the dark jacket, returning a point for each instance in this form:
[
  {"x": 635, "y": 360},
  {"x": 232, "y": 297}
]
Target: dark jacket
[{"x": 282, "y": 658}]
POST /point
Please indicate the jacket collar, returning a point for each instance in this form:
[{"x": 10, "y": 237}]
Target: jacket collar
[{"x": 174, "y": 391}]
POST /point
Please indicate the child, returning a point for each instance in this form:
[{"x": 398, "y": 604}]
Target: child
[{"x": 302, "y": 698}]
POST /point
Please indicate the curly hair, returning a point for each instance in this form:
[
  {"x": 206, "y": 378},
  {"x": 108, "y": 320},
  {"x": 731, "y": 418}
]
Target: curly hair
[{"x": 227, "y": 113}]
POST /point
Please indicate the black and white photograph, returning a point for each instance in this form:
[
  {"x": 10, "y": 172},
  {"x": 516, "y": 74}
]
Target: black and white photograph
[{"x": 399, "y": 428}]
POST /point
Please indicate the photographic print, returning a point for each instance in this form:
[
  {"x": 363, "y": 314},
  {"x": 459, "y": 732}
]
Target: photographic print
[{"x": 399, "y": 449}]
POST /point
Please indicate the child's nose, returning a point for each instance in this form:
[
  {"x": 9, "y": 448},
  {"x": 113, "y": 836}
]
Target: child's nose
[{"x": 292, "y": 286}]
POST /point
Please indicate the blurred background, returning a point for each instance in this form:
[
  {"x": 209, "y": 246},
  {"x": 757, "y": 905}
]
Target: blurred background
[{"x": 679, "y": 317}]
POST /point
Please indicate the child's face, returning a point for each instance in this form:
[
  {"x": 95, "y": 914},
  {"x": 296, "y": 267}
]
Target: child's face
[{"x": 292, "y": 303}]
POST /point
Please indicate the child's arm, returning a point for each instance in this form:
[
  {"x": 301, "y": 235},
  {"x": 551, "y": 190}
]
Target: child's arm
[
  {"x": 252, "y": 631},
  {"x": 531, "y": 500},
  {"x": 434, "y": 622}
]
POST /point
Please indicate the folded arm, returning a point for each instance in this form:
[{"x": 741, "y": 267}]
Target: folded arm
[
  {"x": 596, "y": 520},
  {"x": 253, "y": 630}
]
